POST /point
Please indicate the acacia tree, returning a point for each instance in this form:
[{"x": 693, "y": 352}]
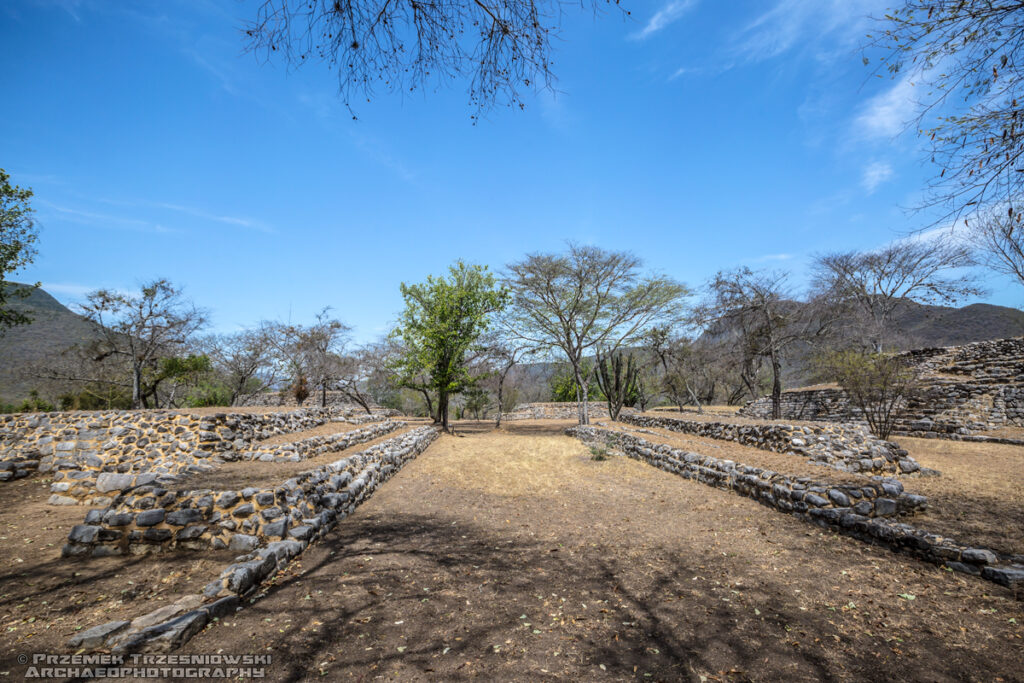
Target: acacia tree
[
  {"x": 17, "y": 235},
  {"x": 442, "y": 321},
  {"x": 587, "y": 299},
  {"x": 871, "y": 284},
  {"x": 142, "y": 329},
  {"x": 501, "y": 46},
  {"x": 964, "y": 59}
]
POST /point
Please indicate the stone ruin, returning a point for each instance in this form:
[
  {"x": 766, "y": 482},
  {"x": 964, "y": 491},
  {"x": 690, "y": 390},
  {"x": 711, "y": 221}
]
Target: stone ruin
[{"x": 964, "y": 390}]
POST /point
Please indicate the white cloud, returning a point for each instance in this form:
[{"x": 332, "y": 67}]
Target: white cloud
[
  {"x": 887, "y": 114},
  {"x": 828, "y": 26},
  {"x": 773, "y": 257},
  {"x": 668, "y": 14},
  {"x": 876, "y": 173},
  {"x": 105, "y": 220}
]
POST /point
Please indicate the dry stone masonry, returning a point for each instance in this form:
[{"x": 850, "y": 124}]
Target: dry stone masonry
[
  {"x": 554, "y": 411},
  {"x": 845, "y": 447},
  {"x": 92, "y": 456},
  {"x": 965, "y": 389},
  {"x": 268, "y": 527},
  {"x": 868, "y": 512}
]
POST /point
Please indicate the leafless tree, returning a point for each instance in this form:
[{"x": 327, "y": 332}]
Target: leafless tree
[
  {"x": 616, "y": 375},
  {"x": 963, "y": 58},
  {"x": 757, "y": 303},
  {"x": 310, "y": 351},
  {"x": 1000, "y": 241},
  {"x": 246, "y": 360},
  {"x": 871, "y": 284},
  {"x": 501, "y": 351},
  {"x": 142, "y": 328},
  {"x": 587, "y": 299},
  {"x": 501, "y": 46}
]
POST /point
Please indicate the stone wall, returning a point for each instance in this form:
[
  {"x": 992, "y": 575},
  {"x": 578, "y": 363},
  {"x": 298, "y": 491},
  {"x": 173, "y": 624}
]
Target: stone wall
[
  {"x": 269, "y": 527},
  {"x": 845, "y": 447},
  {"x": 868, "y": 511},
  {"x": 555, "y": 411},
  {"x": 152, "y": 518},
  {"x": 92, "y": 455},
  {"x": 964, "y": 389},
  {"x": 877, "y": 497}
]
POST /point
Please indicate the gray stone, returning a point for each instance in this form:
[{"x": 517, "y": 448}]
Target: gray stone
[
  {"x": 839, "y": 498},
  {"x": 885, "y": 507},
  {"x": 228, "y": 499},
  {"x": 242, "y": 543},
  {"x": 1010, "y": 577},
  {"x": 979, "y": 556},
  {"x": 83, "y": 533},
  {"x": 156, "y": 535},
  {"x": 814, "y": 500},
  {"x": 112, "y": 481},
  {"x": 150, "y": 517},
  {"x": 184, "y": 516},
  {"x": 243, "y": 510},
  {"x": 301, "y": 532},
  {"x": 276, "y": 529},
  {"x": 96, "y": 636}
]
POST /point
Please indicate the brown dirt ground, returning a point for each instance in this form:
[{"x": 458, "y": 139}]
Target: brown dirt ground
[
  {"x": 45, "y": 599},
  {"x": 1010, "y": 432},
  {"x": 512, "y": 555},
  {"x": 979, "y": 499}
]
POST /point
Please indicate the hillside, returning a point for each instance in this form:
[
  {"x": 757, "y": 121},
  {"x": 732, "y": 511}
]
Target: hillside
[{"x": 53, "y": 329}]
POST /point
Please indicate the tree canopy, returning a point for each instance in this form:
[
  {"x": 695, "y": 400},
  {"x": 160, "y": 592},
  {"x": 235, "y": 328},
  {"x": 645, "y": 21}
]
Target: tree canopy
[
  {"x": 18, "y": 234},
  {"x": 442, "y": 321}
]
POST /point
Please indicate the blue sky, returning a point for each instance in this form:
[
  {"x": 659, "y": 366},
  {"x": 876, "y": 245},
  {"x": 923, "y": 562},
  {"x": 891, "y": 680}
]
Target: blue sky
[{"x": 700, "y": 135}]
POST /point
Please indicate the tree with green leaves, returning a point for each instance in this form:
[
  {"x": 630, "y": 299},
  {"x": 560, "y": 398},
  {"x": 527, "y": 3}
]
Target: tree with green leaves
[
  {"x": 18, "y": 234},
  {"x": 878, "y": 384},
  {"x": 587, "y": 299},
  {"x": 443, "y": 319}
]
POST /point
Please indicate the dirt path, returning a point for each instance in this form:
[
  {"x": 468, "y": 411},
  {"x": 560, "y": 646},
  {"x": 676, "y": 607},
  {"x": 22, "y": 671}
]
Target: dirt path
[{"x": 513, "y": 556}]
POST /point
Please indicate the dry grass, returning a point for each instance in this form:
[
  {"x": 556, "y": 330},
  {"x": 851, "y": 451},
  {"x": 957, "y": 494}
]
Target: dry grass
[
  {"x": 511, "y": 555},
  {"x": 979, "y": 499}
]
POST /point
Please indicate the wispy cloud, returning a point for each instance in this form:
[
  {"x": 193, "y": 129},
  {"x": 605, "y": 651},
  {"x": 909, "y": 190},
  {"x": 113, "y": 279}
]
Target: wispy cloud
[
  {"x": 824, "y": 26},
  {"x": 105, "y": 220},
  {"x": 887, "y": 114},
  {"x": 671, "y": 12},
  {"x": 239, "y": 221},
  {"x": 773, "y": 257},
  {"x": 217, "y": 218},
  {"x": 876, "y": 173}
]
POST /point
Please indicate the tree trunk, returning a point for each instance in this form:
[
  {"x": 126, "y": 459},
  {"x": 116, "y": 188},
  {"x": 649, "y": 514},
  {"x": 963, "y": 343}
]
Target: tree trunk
[
  {"x": 501, "y": 386},
  {"x": 442, "y": 408},
  {"x": 776, "y": 387},
  {"x": 323, "y": 394},
  {"x": 136, "y": 386},
  {"x": 696, "y": 401},
  {"x": 582, "y": 392}
]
